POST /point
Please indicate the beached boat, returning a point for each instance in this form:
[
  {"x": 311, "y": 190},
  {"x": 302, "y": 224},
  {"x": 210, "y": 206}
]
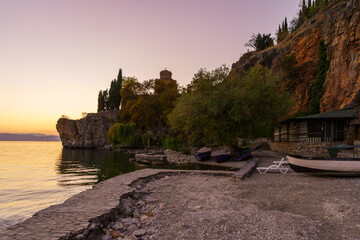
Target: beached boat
[
  {"x": 240, "y": 156},
  {"x": 203, "y": 154},
  {"x": 328, "y": 166},
  {"x": 222, "y": 157}
]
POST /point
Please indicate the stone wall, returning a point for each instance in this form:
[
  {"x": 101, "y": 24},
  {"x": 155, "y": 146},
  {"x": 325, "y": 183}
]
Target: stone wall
[{"x": 302, "y": 148}]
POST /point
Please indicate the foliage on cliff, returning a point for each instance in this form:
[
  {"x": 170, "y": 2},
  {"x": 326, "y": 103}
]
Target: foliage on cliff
[
  {"x": 295, "y": 59},
  {"x": 282, "y": 32},
  {"x": 317, "y": 89},
  {"x": 217, "y": 109},
  {"x": 260, "y": 41}
]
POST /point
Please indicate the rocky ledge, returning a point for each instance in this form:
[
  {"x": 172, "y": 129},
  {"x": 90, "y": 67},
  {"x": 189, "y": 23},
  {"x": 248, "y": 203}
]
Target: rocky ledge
[{"x": 88, "y": 132}]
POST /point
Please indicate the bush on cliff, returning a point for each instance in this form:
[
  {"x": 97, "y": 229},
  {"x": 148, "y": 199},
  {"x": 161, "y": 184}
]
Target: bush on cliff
[
  {"x": 317, "y": 90},
  {"x": 288, "y": 64},
  {"x": 260, "y": 41}
]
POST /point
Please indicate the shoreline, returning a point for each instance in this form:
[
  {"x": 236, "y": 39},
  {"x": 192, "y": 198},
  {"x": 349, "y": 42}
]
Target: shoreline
[
  {"x": 69, "y": 208},
  {"x": 74, "y": 214},
  {"x": 183, "y": 204}
]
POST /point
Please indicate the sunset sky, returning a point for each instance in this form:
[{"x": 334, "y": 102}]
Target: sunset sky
[{"x": 56, "y": 55}]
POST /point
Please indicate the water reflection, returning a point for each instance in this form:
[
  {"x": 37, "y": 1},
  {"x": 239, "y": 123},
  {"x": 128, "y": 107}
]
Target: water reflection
[{"x": 88, "y": 167}]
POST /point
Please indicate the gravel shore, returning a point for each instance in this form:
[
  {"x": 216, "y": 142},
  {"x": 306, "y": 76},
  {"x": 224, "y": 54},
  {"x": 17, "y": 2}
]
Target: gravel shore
[{"x": 202, "y": 206}]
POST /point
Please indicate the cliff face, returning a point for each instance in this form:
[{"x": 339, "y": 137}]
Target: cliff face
[
  {"x": 88, "y": 132},
  {"x": 339, "y": 26}
]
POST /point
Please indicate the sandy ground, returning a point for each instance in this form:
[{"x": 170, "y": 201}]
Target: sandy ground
[{"x": 271, "y": 206}]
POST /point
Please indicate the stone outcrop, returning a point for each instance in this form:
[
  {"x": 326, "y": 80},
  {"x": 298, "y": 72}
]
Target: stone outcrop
[
  {"x": 339, "y": 26},
  {"x": 88, "y": 132}
]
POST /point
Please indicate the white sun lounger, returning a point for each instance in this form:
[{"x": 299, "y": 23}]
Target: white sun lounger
[
  {"x": 275, "y": 167},
  {"x": 284, "y": 162}
]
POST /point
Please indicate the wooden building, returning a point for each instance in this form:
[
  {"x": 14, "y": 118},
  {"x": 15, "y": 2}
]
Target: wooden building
[{"x": 325, "y": 127}]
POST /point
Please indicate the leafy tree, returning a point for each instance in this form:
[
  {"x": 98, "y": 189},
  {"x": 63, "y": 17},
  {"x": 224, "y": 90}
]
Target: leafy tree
[
  {"x": 260, "y": 41},
  {"x": 122, "y": 134},
  {"x": 317, "y": 89},
  {"x": 148, "y": 103},
  {"x": 216, "y": 114}
]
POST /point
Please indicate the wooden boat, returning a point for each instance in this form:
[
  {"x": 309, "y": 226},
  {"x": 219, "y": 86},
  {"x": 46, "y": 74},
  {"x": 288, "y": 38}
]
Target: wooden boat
[
  {"x": 327, "y": 166},
  {"x": 222, "y": 157},
  {"x": 203, "y": 156},
  {"x": 240, "y": 156}
]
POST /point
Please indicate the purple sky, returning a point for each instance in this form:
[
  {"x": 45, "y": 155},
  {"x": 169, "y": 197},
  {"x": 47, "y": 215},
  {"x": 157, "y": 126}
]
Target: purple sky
[{"x": 56, "y": 55}]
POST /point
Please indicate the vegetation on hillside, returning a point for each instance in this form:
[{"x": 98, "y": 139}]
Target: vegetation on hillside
[
  {"x": 317, "y": 89},
  {"x": 216, "y": 110},
  {"x": 307, "y": 11},
  {"x": 260, "y": 41}
]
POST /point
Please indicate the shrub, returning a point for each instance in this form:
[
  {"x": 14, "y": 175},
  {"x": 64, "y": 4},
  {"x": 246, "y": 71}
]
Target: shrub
[
  {"x": 288, "y": 64},
  {"x": 172, "y": 143},
  {"x": 123, "y": 134}
]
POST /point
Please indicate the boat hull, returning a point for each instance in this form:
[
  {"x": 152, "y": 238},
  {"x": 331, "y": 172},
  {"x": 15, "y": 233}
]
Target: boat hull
[
  {"x": 203, "y": 156},
  {"x": 243, "y": 156},
  {"x": 331, "y": 166},
  {"x": 222, "y": 158}
]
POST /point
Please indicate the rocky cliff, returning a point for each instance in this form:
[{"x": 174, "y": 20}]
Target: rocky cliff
[
  {"x": 88, "y": 132},
  {"x": 339, "y": 26}
]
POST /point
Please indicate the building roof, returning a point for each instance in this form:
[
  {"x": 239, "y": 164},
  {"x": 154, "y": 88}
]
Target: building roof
[{"x": 338, "y": 114}]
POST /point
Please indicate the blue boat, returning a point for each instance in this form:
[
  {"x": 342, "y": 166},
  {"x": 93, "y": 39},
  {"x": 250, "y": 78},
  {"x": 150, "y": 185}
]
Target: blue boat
[
  {"x": 222, "y": 157},
  {"x": 203, "y": 154},
  {"x": 240, "y": 156}
]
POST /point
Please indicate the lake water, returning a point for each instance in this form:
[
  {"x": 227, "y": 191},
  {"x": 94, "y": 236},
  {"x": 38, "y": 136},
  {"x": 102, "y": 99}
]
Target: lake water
[{"x": 35, "y": 175}]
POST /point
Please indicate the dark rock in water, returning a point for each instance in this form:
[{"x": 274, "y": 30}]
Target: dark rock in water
[{"x": 88, "y": 132}]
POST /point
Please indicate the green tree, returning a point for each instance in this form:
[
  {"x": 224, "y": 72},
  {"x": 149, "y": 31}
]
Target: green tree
[
  {"x": 148, "y": 103},
  {"x": 106, "y": 99},
  {"x": 216, "y": 111},
  {"x": 122, "y": 134},
  {"x": 101, "y": 102},
  {"x": 113, "y": 95},
  {"x": 317, "y": 89},
  {"x": 260, "y": 41},
  {"x": 283, "y": 31}
]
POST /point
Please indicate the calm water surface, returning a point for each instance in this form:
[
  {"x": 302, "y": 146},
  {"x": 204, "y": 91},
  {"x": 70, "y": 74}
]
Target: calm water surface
[{"x": 35, "y": 175}]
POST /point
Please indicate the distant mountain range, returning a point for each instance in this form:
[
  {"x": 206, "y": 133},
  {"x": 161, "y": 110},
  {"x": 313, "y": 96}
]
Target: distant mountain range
[{"x": 28, "y": 137}]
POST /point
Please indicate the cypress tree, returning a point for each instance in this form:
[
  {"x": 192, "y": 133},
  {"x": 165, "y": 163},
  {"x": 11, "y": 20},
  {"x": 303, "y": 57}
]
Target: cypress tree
[
  {"x": 112, "y": 95},
  {"x": 278, "y": 39},
  {"x": 118, "y": 88},
  {"x": 106, "y": 99},
  {"x": 317, "y": 88},
  {"x": 101, "y": 103}
]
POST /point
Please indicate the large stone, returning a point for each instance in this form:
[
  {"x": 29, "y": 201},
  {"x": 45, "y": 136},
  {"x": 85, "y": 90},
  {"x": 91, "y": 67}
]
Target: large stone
[{"x": 88, "y": 132}]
